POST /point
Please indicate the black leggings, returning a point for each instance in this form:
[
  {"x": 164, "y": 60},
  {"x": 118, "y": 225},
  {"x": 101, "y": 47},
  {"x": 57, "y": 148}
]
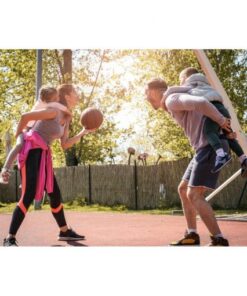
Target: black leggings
[{"x": 30, "y": 174}]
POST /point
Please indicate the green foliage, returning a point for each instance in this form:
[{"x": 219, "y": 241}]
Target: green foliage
[
  {"x": 17, "y": 89},
  {"x": 17, "y": 95},
  {"x": 114, "y": 81},
  {"x": 230, "y": 66}
]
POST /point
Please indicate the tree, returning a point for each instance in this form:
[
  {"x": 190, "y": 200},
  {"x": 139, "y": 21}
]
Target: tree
[
  {"x": 17, "y": 89},
  {"x": 230, "y": 66}
]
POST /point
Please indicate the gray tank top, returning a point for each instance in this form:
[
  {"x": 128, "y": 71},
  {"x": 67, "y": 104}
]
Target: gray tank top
[{"x": 50, "y": 129}]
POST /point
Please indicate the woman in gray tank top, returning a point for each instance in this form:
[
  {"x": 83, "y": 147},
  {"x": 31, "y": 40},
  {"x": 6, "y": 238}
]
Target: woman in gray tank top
[{"x": 36, "y": 164}]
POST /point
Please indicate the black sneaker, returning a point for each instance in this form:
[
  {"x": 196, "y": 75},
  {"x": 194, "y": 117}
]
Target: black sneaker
[
  {"x": 218, "y": 242},
  {"x": 189, "y": 239},
  {"x": 10, "y": 242},
  {"x": 244, "y": 168},
  {"x": 69, "y": 235},
  {"x": 220, "y": 162}
]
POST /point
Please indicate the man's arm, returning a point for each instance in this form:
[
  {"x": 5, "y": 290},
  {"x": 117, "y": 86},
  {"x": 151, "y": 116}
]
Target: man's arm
[{"x": 185, "y": 102}]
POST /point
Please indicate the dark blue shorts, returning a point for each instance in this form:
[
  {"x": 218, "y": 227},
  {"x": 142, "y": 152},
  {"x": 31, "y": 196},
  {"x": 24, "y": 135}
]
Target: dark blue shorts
[{"x": 198, "y": 172}]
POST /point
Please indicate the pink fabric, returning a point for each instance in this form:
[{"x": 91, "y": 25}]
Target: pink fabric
[{"x": 33, "y": 141}]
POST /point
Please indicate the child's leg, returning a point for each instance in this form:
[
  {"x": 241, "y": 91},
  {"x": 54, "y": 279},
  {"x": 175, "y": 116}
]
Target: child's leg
[
  {"x": 235, "y": 147},
  {"x": 211, "y": 131},
  {"x": 13, "y": 153},
  {"x": 5, "y": 173},
  {"x": 233, "y": 143}
]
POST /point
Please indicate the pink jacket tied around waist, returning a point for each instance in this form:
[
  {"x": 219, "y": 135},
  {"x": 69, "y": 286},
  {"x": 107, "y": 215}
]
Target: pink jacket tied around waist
[{"x": 33, "y": 141}]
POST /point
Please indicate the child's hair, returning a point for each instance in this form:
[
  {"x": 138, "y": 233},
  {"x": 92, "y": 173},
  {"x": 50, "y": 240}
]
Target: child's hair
[
  {"x": 157, "y": 83},
  {"x": 46, "y": 93},
  {"x": 187, "y": 72},
  {"x": 63, "y": 90}
]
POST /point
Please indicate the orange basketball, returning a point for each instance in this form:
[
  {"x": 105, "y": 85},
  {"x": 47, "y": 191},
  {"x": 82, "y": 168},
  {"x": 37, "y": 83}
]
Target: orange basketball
[{"x": 91, "y": 118}]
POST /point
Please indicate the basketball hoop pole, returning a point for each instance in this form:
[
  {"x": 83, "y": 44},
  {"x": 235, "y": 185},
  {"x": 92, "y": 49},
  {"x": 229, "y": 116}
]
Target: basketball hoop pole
[{"x": 223, "y": 185}]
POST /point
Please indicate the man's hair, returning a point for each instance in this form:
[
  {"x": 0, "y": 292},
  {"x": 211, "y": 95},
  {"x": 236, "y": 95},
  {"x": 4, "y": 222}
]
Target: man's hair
[
  {"x": 63, "y": 90},
  {"x": 46, "y": 93},
  {"x": 187, "y": 72},
  {"x": 157, "y": 83}
]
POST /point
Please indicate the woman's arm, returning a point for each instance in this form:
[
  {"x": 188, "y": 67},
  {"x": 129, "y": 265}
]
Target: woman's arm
[
  {"x": 67, "y": 142},
  {"x": 43, "y": 114}
]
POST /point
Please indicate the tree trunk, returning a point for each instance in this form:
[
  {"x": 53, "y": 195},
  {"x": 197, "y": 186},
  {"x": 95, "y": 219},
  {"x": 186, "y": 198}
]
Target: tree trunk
[
  {"x": 70, "y": 154},
  {"x": 67, "y": 66}
]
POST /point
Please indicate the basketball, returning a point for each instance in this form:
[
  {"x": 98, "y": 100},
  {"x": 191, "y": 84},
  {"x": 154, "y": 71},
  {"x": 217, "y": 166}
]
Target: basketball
[{"x": 91, "y": 118}]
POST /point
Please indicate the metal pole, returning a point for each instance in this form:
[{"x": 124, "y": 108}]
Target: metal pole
[
  {"x": 37, "y": 204},
  {"x": 223, "y": 185},
  {"x": 89, "y": 185},
  {"x": 39, "y": 54},
  {"x": 136, "y": 186}
]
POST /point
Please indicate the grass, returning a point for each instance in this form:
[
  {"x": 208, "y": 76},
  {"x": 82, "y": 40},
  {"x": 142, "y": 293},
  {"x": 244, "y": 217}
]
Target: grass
[{"x": 80, "y": 205}]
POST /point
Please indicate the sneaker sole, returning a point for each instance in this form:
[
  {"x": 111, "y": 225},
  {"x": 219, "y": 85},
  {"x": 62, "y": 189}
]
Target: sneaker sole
[
  {"x": 212, "y": 171},
  {"x": 183, "y": 245},
  {"x": 217, "y": 246},
  {"x": 69, "y": 239}
]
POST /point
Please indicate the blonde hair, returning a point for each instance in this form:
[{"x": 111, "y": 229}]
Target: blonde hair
[
  {"x": 187, "y": 72},
  {"x": 46, "y": 93},
  {"x": 63, "y": 90}
]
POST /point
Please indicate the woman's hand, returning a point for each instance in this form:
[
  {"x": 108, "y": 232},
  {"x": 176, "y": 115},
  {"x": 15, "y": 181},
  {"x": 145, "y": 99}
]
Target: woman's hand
[
  {"x": 69, "y": 142},
  {"x": 85, "y": 131}
]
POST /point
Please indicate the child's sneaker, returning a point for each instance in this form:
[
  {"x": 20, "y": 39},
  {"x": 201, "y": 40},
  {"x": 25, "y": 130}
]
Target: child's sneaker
[
  {"x": 69, "y": 235},
  {"x": 244, "y": 168},
  {"x": 4, "y": 176},
  {"x": 220, "y": 162}
]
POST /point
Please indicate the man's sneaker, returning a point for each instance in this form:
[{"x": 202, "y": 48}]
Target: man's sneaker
[
  {"x": 189, "y": 239},
  {"x": 218, "y": 242},
  {"x": 10, "y": 242},
  {"x": 69, "y": 235},
  {"x": 244, "y": 168},
  {"x": 220, "y": 162}
]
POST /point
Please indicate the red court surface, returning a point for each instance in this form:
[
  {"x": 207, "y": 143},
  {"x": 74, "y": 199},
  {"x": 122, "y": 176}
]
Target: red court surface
[{"x": 115, "y": 229}]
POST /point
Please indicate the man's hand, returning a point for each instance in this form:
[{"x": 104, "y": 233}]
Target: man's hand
[
  {"x": 231, "y": 135},
  {"x": 227, "y": 125}
]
